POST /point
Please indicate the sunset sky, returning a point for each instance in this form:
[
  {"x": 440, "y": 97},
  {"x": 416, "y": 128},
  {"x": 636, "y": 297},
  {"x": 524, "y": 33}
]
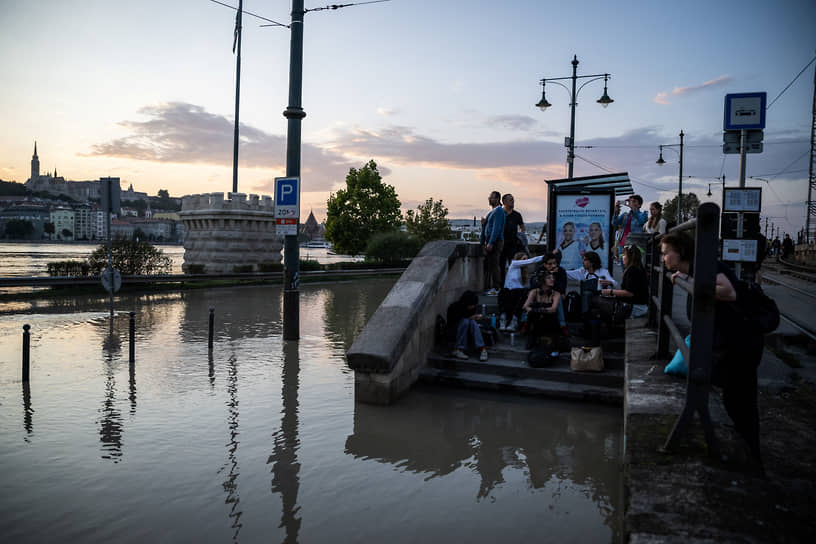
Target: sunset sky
[{"x": 440, "y": 94}]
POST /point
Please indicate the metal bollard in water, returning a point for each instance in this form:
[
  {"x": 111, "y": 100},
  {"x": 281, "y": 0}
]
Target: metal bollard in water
[
  {"x": 26, "y": 351},
  {"x": 132, "y": 336},
  {"x": 212, "y": 324}
]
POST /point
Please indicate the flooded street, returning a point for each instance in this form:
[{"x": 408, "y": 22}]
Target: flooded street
[{"x": 262, "y": 439}]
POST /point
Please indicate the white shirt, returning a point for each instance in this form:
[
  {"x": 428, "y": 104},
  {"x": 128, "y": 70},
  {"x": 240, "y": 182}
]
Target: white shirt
[
  {"x": 582, "y": 274},
  {"x": 513, "y": 278},
  {"x": 660, "y": 227}
]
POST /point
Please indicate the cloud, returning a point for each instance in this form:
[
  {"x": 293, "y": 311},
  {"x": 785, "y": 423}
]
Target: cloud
[
  {"x": 513, "y": 122},
  {"x": 181, "y": 133},
  {"x": 387, "y": 112},
  {"x": 662, "y": 97}
]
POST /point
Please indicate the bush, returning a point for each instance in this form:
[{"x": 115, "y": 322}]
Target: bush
[
  {"x": 68, "y": 268},
  {"x": 307, "y": 265},
  {"x": 242, "y": 268},
  {"x": 270, "y": 267},
  {"x": 195, "y": 269},
  {"x": 392, "y": 248},
  {"x": 130, "y": 257}
]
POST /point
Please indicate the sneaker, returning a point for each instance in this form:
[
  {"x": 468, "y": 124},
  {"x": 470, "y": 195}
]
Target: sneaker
[
  {"x": 554, "y": 354},
  {"x": 492, "y": 292},
  {"x": 459, "y": 354},
  {"x": 483, "y": 355},
  {"x": 513, "y": 327},
  {"x": 503, "y": 323}
]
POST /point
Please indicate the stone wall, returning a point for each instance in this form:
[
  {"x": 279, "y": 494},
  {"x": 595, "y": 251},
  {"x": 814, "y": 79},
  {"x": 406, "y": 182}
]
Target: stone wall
[
  {"x": 222, "y": 234},
  {"x": 805, "y": 254},
  {"x": 394, "y": 345}
]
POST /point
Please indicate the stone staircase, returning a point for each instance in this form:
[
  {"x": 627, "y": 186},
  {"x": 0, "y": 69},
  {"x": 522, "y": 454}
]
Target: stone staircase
[{"x": 507, "y": 370}]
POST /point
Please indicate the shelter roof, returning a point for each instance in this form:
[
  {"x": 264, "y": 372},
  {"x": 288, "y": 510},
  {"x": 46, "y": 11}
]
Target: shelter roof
[{"x": 619, "y": 183}]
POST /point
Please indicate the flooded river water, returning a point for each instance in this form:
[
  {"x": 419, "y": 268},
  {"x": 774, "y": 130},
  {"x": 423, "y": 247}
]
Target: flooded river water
[{"x": 262, "y": 439}]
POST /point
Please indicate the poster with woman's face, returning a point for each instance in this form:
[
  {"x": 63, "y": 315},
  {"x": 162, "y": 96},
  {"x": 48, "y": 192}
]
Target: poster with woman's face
[{"x": 581, "y": 225}]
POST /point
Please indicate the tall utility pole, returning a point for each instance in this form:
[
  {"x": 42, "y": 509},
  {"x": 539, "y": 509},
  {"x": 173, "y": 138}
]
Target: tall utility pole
[
  {"x": 811, "y": 206},
  {"x": 294, "y": 114},
  {"x": 236, "y": 46}
]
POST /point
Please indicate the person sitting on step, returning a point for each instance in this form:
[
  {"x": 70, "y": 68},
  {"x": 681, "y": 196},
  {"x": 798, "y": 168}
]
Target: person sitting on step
[
  {"x": 463, "y": 314},
  {"x": 542, "y": 310},
  {"x": 514, "y": 292}
]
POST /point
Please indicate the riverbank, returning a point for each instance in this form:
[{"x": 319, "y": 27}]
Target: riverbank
[{"x": 686, "y": 495}]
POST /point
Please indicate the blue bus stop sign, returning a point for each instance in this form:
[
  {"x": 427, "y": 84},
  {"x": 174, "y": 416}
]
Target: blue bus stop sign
[{"x": 744, "y": 111}]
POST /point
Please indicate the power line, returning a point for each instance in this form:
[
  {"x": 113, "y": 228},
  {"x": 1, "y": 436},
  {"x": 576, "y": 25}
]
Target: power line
[
  {"x": 274, "y": 23},
  {"x": 338, "y": 6},
  {"x": 608, "y": 171},
  {"x": 789, "y": 84}
]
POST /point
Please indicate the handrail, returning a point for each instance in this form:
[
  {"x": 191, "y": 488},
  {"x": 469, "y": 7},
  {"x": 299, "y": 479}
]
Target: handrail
[{"x": 701, "y": 288}]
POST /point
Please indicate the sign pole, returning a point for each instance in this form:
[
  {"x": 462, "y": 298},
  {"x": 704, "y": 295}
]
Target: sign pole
[
  {"x": 740, "y": 217},
  {"x": 294, "y": 114}
]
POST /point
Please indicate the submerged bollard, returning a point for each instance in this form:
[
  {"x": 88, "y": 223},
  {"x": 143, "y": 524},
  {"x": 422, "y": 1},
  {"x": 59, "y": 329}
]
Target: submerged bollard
[
  {"x": 212, "y": 324},
  {"x": 26, "y": 351},
  {"x": 132, "y": 336}
]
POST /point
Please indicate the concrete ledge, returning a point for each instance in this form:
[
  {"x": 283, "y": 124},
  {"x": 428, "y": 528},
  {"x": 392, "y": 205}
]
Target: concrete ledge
[{"x": 394, "y": 345}]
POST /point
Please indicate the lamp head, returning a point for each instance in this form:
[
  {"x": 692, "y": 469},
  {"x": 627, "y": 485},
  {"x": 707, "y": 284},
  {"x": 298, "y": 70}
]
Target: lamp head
[
  {"x": 660, "y": 158},
  {"x": 543, "y": 104},
  {"x": 604, "y": 100}
]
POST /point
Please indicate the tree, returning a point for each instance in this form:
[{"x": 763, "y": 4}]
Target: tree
[
  {"x": 19, "y": 228},
  {"x": 130, "y": 257},
  {"x": 49, "y": 228},
  {"x": 393, "y": 247},
  {"x": 429, "y": 222},
  {"x": 690, "y": 205},
  {"x": 66, "y": 233},
  {"x": 366, "y": 206},
  {"x": 164, "y": 194}
]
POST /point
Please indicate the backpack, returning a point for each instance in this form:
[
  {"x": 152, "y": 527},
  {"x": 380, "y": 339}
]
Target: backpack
[
  {"x": 758, "y": 311},
  {"x": 540, "y": 357}
]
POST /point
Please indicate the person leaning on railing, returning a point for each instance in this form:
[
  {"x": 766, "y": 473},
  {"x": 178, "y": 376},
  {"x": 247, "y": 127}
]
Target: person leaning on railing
[{"x": 736, "y": 355}]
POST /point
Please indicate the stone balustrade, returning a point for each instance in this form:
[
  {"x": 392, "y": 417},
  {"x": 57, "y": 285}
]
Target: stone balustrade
[{"x": 228, "y": 235}]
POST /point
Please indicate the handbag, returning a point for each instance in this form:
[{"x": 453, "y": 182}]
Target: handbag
[
  {"x": 587, "y": 359},
  {"x": 621, "y": 311}
]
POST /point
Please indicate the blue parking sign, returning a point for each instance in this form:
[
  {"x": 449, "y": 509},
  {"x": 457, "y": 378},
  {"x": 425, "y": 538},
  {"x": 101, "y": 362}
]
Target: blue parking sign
[{"x": 287, "y": 191}]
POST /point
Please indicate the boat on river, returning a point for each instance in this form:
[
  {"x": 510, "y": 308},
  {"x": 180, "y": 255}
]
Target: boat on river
[{"x": 317, "y": 244}]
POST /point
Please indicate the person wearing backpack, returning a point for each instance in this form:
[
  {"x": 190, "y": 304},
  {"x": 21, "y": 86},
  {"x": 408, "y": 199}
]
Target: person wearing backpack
[{"x": 737, "y": 352}]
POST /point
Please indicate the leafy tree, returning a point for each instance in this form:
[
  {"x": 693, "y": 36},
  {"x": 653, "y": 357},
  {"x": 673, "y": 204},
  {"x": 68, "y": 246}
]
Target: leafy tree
[
  {"x": 392, "y": 247},
  {"x": 130, "y": 257},
  {"x": 66, "y": 233},
  {"x": 49, "y": 228},
  {"x": 139, "y": 234},
  {"x": 690, "y": 205},
  {"x": 19, "y": 228},
  {"x": 429, "y": 222},
  {"x": 164, "y": 194},
  {"x": 366, "y": 206}
]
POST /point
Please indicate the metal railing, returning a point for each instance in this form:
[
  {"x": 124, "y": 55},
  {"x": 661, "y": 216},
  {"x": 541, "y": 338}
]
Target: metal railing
[{"x": 700, "y": 286}]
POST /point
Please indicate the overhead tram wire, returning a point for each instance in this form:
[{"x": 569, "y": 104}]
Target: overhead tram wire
[
  {"x": 609, "y": 171},
  {"x": 338, "y": 6},
  {"x": 274, "y": 23},
  {"x": 789, "y": 84}
]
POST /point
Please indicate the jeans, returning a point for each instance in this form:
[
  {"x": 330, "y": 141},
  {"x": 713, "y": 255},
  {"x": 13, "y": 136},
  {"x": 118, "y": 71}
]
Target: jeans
[{"x": 466, "y": 326}]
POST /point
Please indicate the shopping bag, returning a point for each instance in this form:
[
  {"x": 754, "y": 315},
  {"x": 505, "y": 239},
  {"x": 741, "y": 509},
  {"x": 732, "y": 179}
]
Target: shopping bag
[{"x": 587, "y": 359}]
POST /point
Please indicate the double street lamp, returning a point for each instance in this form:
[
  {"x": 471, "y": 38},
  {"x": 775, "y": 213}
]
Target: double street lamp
[
  {"x": 603, "y": 101},
  {"x": 680, "y": 183}
]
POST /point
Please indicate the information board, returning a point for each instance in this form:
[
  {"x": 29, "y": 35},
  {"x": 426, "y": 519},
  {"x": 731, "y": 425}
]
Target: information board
[
  {"x": 739, "y": 250},
  {"x": 742, "y": 200}
]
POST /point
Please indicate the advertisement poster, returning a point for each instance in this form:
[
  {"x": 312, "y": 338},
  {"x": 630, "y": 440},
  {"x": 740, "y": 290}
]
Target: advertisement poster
[{"x": 581, "y": 225}]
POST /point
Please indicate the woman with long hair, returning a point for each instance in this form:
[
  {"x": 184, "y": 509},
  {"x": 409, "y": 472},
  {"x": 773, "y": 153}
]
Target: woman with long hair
[
  {"x": 515, "y": 290},
  {"x": 656, "y": 223},
  {"x": 595, "y": 240},
  {"x": 542, "y": 309}
]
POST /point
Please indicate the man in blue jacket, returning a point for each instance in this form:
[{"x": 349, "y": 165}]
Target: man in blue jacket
[{"x": 493, "y": 241}]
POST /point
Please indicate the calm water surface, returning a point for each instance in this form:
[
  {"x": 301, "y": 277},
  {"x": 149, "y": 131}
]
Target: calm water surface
[{"x": 262, "y": 440}]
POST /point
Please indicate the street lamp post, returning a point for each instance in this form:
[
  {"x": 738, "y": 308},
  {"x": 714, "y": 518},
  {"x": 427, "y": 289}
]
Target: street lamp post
[
  {"x": 680, "y": 181},
  {"x": 723, "y": 185},
  {"x": 604, "y": 101}
]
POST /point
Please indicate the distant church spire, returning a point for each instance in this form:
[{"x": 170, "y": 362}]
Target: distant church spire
[{"x": 35, "y": 163}]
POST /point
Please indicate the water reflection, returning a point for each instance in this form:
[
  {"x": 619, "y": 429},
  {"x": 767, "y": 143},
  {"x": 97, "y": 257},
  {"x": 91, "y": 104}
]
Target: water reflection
[
  {"x": 230, "y": 485},
  {"x": 348, "y": 308},
  {"x": 558, "y": 444},
  {"x": 27, "y": 411},
  {"x": 132, "y": 386},
  {"x": 110, "y": 423},
  {"x": 240, "y": 312},
  {"x": 284, "y": 460}
]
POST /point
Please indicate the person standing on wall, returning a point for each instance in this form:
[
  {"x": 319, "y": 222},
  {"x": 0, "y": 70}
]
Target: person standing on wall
[
  {"x": 493, "y": 243},
  {"x": 513, "y": 222}
]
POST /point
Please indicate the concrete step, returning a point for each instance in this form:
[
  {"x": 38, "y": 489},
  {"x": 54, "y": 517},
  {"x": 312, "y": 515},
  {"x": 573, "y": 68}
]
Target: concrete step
[
  {"x": 526, "y": 386},
  {"x": 517, "y": 368}
]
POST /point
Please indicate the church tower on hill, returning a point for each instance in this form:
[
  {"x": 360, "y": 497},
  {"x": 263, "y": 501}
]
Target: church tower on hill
[{"x": 35, "y": 164}]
